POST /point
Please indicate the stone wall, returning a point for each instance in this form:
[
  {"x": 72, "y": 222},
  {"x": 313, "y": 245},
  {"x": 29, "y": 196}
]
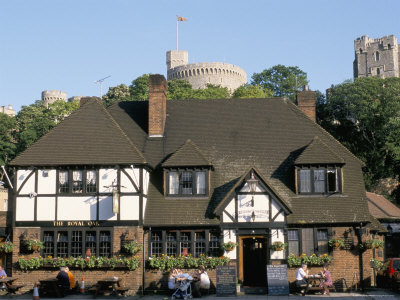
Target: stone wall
[
  {"x": 51, "y": 96},
  {"x": 376, "y": 57}
]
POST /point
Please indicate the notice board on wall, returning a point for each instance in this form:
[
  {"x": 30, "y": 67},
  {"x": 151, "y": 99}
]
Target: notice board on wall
[
  {"x": 278, "y": 281},
  {"x": 226, "y": 281}
]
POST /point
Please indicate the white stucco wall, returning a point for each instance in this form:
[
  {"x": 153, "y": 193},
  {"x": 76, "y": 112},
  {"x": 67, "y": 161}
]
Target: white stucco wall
[
  {"x": 106, "y": 209},
  {"x": 129, "y": 209},
  {"x": 47, "y": 181},
  {"x": 46, "y": 208},
  {"x": 106, "y": 179},
  {"x": 277, "y": 236},
  {"x": 230, "y": 236},
  {"x": 25, "y": 209},
  {"x": 126, "y": 184},
  {"x": 77, "y": 208},
  {"x": 29, "y": 186}
]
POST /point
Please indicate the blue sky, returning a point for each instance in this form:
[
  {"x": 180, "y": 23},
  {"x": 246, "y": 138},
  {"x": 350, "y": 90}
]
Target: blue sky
[{"x": 67, "y": 45}]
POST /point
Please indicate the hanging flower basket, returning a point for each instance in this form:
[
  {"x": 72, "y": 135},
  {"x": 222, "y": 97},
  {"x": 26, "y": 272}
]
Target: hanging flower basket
[
  {"x": 278, "y": 246},
  {"x": 34, "y": 245},
  {"x": 7, "y": 247},
  {"x": 229, "y": 246},
  {"x": 336, "y": 243}
]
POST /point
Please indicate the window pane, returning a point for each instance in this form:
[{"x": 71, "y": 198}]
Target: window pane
[
  {"x": 199, "y": 244},
  {"x": 173, "y": 178},
  {"x": 77, "y": 182},
  {"x": 48, "y": 240},
  {"x": 201, "y": 183},
  {"x": 62, "y": 244},
  {"x": 156, "y": 243},
  {"x": 105, "y": 244},
  {"x": 185, "y": 242},
  {"x": 76, "y": 243},
  {"x": 305, "y": 186},
  {"x": 293, "y": 242},
  {"x": 213, "y": 246},
  {"x": 322, "y": 237},
  {"x": 332, "y": 181},
  {"x": 63, "y": 181},
  {"x": 171, "y": 243},
  {"x": 90, "y": 242},
  {"x": 319, "y": 181},
  {"x": 91, "y": 181},
  {"x": 307, "y": 241},
  {"x": 187, "y": 183}
]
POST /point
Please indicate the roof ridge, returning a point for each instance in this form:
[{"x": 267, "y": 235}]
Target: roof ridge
[
  {"x": 120, "y": 129},
  {"x": 295, "y": 109}
]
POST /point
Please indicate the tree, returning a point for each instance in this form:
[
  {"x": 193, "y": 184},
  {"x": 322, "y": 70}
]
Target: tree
[
  {"x": 211, "y": 92},
  {"x": 179, "y": 89},
  {"x": 7, "y": 142},
  {"x": 36, "y": 120},
  {"x": 139, "y": 89},
  {"x": 117, "y": 93},
  {"x": 252, "y": 91},
  {"x": 284, "y": 81},
  {"x": 364, "y": 116}
]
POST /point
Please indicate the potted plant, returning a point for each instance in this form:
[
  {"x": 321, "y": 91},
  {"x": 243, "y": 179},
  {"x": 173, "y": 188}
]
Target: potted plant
[
  {"x": 376, "y": 264},
  {"x": 336, "y": 243},
  {"x": 229, "y": 246},
  {"x": 7, "y": 247},
  {"x": 278, "y": 246},
  {"x": 34, "y": 245},
  {"x": 366, "y": 244},
  {"x": 131, "y": 247},
  {"x": 377, "y": 244}
]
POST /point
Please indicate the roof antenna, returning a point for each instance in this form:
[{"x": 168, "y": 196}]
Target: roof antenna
[{"x": 100, "y": 81}]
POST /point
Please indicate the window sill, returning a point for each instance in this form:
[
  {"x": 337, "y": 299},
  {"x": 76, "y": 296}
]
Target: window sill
[{"x": 187, "y": 197}]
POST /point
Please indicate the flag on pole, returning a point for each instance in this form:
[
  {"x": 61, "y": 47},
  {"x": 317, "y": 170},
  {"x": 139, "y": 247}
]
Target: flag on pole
[{"x": 181, "y": 19}]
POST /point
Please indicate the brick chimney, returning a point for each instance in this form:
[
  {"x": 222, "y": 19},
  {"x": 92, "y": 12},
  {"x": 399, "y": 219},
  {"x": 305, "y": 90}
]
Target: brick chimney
[
  {"x": 306, "y": 102},
  {"x": 157, "y": 105}
]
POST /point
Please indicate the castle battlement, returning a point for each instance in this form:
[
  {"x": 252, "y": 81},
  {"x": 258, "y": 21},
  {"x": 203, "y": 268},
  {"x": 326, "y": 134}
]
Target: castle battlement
[
  {"x": 376, "y": 57},
  {"x": 203, "y": 73}
]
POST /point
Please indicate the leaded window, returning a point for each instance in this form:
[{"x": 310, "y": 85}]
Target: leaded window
[
  {"x": 319, "y": 180},
  {"x": 77, "y": 183},
  {"x": 214, "y": 244},
  {"x": 63, "y": 181},
  {"x": 105, "y": 244},
  {"x": 62, "y": 244},
  {"x": 48, "y": 240},
  {"x": 293, "y": 242},
  {"x": 156, "y": 243},
  {"x": 171, "y": 243},
  {"x": 91, "y": 181},
  {"x": 90, "y": 242},
  {"x": 322, "y": 240},
  {"x": 186, "y": 183},
  {"x": 199, "y": 244},
  {"x": 76, "y": 243},
  {"x": 185, "y": 243}
]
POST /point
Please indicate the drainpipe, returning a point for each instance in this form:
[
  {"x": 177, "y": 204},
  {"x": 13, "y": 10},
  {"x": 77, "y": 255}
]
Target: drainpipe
[
  {"x": 360, "y": 259},
  {"x": 143, "y": 262}
]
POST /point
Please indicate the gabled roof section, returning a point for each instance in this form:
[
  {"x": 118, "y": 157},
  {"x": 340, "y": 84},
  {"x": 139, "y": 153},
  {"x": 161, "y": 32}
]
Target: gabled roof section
[
  {"x": 188, "y": 155},
  {"x": 381, "y": 208},
  {"x": 88, "y": 136},
  {"x": 317, "y": 152},
  {"x": 221, "y": 206}
]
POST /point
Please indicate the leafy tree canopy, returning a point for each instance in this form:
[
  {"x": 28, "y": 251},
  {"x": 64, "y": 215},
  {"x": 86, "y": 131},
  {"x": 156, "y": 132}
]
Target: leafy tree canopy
[
  {"x": 364, "y": 116},
  {"x": 282, "y": 80},
  {"x": 7, "y": 142},
  {"x": 252, "y": 91}
]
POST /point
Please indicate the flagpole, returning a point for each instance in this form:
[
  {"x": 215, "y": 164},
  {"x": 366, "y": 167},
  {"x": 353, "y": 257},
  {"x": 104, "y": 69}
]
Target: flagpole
[{"x": 176, "y": 33}]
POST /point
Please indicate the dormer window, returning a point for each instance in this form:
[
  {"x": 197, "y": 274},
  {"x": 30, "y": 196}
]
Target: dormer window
[
  {"x": 319, "y": 179},
  {"x": 186, "y": 183}
]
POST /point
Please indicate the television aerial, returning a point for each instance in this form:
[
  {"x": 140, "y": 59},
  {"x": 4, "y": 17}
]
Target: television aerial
[{"x": 100, "y": 82}]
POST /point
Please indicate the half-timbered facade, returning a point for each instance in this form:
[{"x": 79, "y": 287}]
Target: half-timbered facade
[{"x": 184, "y": 178}]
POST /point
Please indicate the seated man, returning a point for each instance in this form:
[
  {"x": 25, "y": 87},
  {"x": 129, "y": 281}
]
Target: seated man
[
  {"x": 63, "y": 280},
  {"x": 71, "y": 278},
  {"x": 301, "y": 277}
]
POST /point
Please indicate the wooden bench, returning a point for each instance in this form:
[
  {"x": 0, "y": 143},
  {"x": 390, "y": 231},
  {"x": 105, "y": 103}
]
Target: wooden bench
[{"x": 12, "y": 289}]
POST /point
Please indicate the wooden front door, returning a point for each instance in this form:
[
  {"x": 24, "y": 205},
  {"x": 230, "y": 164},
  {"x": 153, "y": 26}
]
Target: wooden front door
[{"x": 253, "y": 261}]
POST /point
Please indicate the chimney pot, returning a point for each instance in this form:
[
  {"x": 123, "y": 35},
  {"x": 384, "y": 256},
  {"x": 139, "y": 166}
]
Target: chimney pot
[{"x": 157, "y": 105}]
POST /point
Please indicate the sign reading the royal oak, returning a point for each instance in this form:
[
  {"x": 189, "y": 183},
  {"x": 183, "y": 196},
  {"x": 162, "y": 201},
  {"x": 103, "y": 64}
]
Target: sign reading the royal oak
[{"x": 75, "y": 223}]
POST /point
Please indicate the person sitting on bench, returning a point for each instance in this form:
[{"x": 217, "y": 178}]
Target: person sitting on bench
[
  {"x": 327, "y": 280},
  {"x": 301, "y": 277}
]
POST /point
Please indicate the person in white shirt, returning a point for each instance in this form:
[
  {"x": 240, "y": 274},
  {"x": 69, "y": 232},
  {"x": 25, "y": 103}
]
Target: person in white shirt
[{"x": 301, "y": 276}]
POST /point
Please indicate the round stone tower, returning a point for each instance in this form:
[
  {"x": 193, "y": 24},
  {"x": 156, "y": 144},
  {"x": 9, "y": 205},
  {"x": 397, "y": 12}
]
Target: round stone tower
[
  {"x": 201, "y": 74},
  {"x": 51, "y": 96}
]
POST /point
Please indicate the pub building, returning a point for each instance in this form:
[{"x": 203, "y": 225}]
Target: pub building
[{"x": 184, "y": 177}]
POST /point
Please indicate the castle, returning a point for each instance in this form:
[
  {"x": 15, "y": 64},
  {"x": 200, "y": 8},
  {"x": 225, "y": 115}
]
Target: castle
[
  {"x": 201, "y": 74},
  {"x": 50, "y": 96},
  {"x": 376, "y": 57}
]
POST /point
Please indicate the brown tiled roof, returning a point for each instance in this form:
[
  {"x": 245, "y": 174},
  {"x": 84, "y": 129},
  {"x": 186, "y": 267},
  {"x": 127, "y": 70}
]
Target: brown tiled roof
[
  {"x": 89, "y": 136},
  {"x": 318, "y": 152},
  {"x": 381, "y": 208},
  {"x": 188, "y": 155},
  {"x": 236, "y": 134}
]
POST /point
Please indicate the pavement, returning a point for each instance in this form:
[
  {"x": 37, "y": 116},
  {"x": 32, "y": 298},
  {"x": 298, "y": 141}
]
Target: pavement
[{"x": 376, "y": 294}]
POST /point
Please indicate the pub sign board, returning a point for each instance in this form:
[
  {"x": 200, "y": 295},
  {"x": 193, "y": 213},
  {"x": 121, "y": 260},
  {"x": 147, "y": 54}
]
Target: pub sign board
[
  {"x": 277, "y": 278},
  {"x": 226, "y": 281}
]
